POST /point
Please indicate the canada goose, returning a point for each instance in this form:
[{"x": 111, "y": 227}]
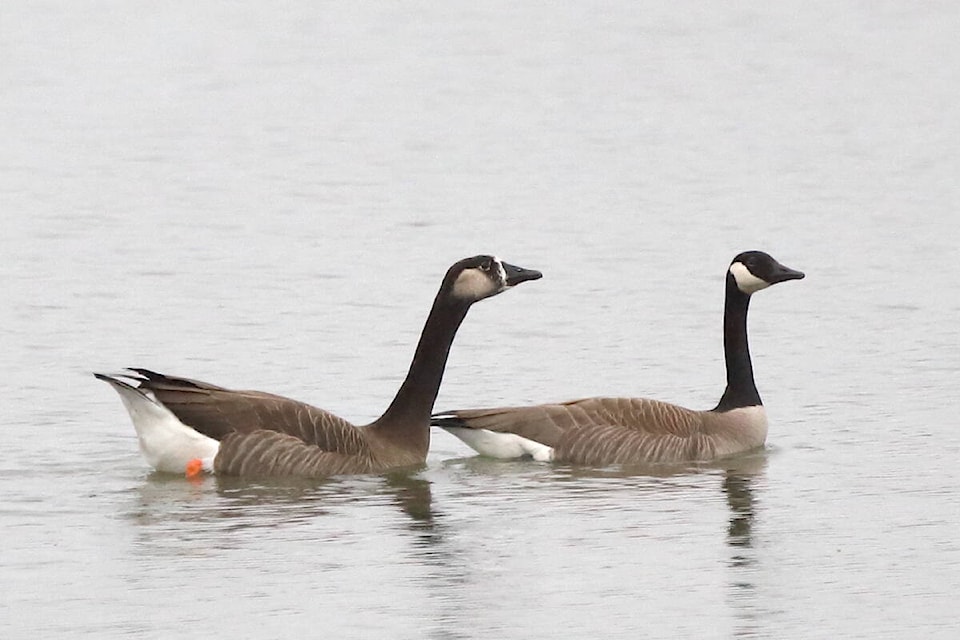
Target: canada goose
[
  {"x": 188, "y": 426},
  {"x": 632, "y": 430}
]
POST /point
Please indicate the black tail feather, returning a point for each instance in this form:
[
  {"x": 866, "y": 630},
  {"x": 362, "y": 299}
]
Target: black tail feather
[
  {"x": 115, "y": 381},
  {"x": 169, "y": 381},
  {"x": 147, "y": 373},
  {"x": 107, "y": 378}
]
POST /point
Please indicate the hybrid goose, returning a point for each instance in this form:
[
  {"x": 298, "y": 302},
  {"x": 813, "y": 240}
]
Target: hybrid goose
[
  {"x": 637, "y": 430},
  {"x": 188, "y": 426}
]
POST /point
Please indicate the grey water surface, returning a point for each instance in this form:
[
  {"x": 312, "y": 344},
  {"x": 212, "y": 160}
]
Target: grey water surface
[{"x": 266, "y": 195}]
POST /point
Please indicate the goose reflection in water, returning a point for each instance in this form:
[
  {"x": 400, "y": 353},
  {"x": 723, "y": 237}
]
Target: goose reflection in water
[
  {"x": 164, "y": 503},
  {"x": 412, "y": 494},
  {"x": 740, "y": 482},
  {"x": 741, "y": 477}
]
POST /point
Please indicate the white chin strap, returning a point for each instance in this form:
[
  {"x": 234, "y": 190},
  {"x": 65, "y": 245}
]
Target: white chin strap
[{"x": 746, "y": 281}]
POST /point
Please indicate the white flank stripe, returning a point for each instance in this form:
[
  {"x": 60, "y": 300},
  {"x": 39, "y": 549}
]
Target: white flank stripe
[{"x": 504, "y": 446}]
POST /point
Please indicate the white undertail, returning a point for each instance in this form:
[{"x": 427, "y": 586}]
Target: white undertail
[
  {"x": 504, "y": 446},
  {"x": 166, "y": 443}
]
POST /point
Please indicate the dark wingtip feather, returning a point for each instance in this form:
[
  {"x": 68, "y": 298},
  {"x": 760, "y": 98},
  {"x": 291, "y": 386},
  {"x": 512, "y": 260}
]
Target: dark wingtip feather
[
  {"x": 147, "y": 373},
  {"x": 444, "y": 420},
  {"x": 154, "y": 380}
]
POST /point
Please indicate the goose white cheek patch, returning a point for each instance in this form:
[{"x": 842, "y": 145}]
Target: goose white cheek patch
[
  {"x": 746, "y": 281},
  {"x": 473, "y": 284}
]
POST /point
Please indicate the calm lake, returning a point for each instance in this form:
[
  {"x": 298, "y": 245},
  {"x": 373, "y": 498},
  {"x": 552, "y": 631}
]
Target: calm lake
[{"x": 266, "y": 196}]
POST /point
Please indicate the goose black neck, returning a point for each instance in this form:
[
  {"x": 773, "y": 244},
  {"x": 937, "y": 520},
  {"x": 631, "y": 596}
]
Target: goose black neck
[
  {"x": 409, "y": 413},
  {"x": 741, "y": 390}
]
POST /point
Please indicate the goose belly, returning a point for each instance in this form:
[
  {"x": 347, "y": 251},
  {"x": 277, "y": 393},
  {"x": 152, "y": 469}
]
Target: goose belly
[{"x": 504, "y": 446}]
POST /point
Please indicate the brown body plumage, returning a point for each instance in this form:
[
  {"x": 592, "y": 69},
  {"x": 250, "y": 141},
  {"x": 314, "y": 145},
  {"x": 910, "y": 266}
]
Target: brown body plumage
[{"x": 620, "y": 430}]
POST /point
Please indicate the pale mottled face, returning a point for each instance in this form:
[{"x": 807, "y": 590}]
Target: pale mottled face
[
  {"x": 482, "y": 281},
  {"x": 746, "y": 281}
]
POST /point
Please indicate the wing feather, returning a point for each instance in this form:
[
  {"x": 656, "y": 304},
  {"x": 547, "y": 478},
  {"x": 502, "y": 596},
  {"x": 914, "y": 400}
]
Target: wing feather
[{"x": 218, "y": 412}]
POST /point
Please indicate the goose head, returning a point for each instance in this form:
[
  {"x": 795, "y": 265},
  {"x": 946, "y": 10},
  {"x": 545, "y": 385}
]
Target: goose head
[
  {"x": 755, "y": 270},
  {"x": 479, "y": 277}
]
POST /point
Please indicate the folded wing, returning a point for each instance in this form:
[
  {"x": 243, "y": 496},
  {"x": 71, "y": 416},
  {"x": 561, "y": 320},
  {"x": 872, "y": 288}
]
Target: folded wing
[{"x": 218, "y": 412}]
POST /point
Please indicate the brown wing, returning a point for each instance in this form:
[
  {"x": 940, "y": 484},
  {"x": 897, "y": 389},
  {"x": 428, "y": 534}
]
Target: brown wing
[
  {"x": 218, "y": 412},
  {"x": 599, "y": 430}
]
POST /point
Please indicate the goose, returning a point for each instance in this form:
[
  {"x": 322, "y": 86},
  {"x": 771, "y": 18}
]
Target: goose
[
  {"x": 191, "y": 427},
  {"x": 602, "y": 431}
]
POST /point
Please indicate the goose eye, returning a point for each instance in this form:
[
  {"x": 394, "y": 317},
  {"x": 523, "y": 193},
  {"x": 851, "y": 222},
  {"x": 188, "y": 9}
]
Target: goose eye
[{"x": 485, "y": 265}]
